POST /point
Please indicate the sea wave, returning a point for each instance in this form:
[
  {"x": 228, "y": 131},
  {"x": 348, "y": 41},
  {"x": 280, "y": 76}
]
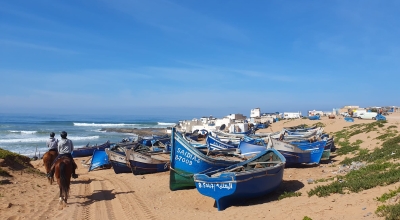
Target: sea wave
[
  {"x": 165, "y": 123},
  {"x": 102, "y": 125},
  {"x": 44, "y": 139},
  {"x": 23, "y": 132}
]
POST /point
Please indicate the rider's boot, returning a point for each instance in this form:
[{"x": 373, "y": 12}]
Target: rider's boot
[
  {"x": 51, "y": 173},
  {"x": 74, "y": 175}
]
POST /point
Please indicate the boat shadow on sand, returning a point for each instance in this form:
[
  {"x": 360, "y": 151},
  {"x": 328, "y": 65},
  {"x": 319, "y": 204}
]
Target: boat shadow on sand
[
  {"x": 97, "y": 195},
  {"x": 286, "y": 186}
]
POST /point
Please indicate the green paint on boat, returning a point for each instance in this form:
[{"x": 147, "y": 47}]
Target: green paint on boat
[
  {"x": 179, "y": 179},
  {"x": 326, "y": 155}
]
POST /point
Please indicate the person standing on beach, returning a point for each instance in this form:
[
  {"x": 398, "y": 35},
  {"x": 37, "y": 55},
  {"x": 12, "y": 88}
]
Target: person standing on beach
[
  {"x": 65, "y": 148},
  {"x": 52, "y": 143}
]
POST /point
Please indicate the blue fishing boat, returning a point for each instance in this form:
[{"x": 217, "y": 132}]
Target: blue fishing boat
[
  {"x": 149, "y": 141},
  {"x": 88, "y": 150},
  {"x": 308, "y": 153},
  {"x": 250, "y": 148},
  {"x": 186, "y": 160},
  {"x": 118, "y": 161},
  {"x": 380, "y": 117},
  {"x": 252, "y": 178},
  {"x": 314, "y": 117},
  {"x": 349, "y": 119},
  {"x": 300, "y": 128},
  {"x": 214, "y": 143},
  {"x": 193, "y": 136},
  {"x": 99, "y": 160}
]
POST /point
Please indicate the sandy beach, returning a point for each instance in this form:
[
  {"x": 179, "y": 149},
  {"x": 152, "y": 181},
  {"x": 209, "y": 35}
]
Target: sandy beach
[{"x": 102, "y": 194}]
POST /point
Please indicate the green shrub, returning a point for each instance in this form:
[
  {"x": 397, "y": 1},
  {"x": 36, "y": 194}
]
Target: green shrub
[
  {"x": 387, "y": 196},
  {"x": 289, "y": 194},
  {"x": 390, "y": 212}
]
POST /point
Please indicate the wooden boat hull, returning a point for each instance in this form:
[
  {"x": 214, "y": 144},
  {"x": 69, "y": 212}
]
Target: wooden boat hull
[
  {"x": 144, "y": 163},
  {"x": 310, "y": 153},
  {"x": 118, "y": 161},
  {"x": 186, "y": 160},
  {"x": 230, "y": 185},
  {"x": 326, "y": 155},
  {"x": 214, "y": 143},
  {"x": 88, "y": 151}
]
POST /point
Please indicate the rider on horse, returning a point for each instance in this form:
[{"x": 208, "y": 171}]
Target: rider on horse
[
  {"x": 65, "y": 148},
  {"x": 52, "y": 143}
]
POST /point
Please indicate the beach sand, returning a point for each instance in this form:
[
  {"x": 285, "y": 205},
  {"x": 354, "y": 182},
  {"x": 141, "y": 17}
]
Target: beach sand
[{"x": 102, "y": 194}]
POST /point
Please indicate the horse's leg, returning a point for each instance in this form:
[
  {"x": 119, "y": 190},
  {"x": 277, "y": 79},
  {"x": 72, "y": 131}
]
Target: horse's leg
[{"x": 60, "y": 202}]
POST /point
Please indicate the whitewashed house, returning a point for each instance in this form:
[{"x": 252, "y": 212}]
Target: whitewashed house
[
  {"x": 254, "y": 113},
  {"x": 291, "y": 115}
]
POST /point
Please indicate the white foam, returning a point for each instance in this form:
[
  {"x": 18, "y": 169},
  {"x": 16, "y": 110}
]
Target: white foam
[
  {"x": 43, "y": 139},
  {"x": 84, "y": 138},
  {"x": 102, "y": 125},
  {"x": 24, "y": 132},
  {"x": 165, "y": 123},
  {"x": 24, "y": 140}
]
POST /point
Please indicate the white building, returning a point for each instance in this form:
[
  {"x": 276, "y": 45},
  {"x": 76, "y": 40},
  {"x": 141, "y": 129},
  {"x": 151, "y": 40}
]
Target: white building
[
  {"x": 291, "y": 115},
  {"x": 255, "y": 113},
  {"x": 268, "y": 117},
  {"x": 237, "y": 117}
]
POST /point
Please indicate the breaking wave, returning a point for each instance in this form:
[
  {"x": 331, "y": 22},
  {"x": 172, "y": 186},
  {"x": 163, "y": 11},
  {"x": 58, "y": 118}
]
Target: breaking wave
[
  {"x": 24, "y": 132},
  {"x": 103, "y": 125},
  {"x": 43, "y": 139}
]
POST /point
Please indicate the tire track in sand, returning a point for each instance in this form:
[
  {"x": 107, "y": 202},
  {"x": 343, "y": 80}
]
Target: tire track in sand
[
  {"x": 133, "y": 206},
  {"x": 84, "y": 209},
  {"x": 102, "y": 198}
]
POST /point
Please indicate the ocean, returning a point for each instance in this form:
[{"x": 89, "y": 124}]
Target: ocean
[{"x": 27, "y": 134}]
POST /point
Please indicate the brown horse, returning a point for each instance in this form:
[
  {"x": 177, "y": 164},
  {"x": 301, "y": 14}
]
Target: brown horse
[
  {"x": 63, "y": 172},
  {"x": 48, "y": 159}
]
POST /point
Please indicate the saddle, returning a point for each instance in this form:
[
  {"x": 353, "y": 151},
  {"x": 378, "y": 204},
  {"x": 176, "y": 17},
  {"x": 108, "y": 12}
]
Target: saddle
[{"x": 71, "y": 160}]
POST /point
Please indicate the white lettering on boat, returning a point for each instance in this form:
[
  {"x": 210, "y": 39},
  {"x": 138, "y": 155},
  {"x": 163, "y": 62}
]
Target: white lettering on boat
[
  {"x": 215, "y": 186},
  {"x": 186, "y": 157}
]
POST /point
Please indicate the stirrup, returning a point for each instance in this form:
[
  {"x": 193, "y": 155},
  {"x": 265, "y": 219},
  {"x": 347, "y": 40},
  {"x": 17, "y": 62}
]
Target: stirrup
[{"x": 49, "y": 175}]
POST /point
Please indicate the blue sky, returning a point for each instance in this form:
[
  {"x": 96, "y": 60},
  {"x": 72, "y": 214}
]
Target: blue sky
[{"x": 197, "y": 57}]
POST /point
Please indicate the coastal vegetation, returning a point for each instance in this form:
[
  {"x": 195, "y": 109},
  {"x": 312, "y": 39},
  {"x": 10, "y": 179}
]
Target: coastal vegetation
[
  {"x": 379, "y": 166},
  {"x": 15, "y": 162},
  {"x": 289, "y": 194}
]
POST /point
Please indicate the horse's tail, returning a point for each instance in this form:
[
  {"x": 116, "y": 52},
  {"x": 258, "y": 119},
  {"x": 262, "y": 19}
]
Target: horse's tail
[{"x": 63, "y": 179}]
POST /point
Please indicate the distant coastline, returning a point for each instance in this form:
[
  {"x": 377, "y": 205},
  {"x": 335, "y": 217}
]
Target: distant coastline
[{"x": 137, "y": 131}]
